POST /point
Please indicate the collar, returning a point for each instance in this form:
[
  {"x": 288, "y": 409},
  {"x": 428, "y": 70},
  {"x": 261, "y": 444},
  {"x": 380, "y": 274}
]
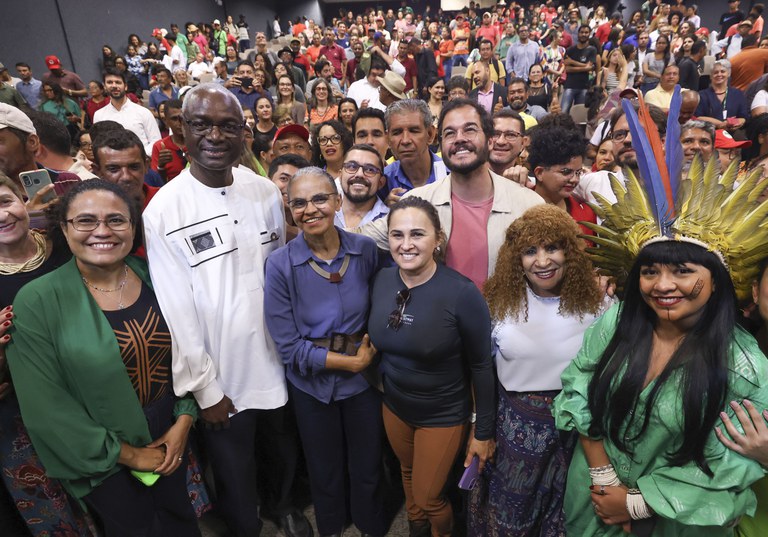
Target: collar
[
  {"x": 503, "y": 199},
  {"x": 397, "y": 173},
  {"x": 299, "y": 252}
]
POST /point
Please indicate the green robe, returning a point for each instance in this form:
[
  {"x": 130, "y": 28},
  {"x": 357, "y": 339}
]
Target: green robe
[
  {"x": 686, "y": 501},
  {"x": 76, "y": 398}
]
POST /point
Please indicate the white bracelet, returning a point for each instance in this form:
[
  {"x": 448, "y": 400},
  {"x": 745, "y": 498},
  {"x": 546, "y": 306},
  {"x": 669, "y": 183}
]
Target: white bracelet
[
  {"x": 605, "y": 476},
  {"x": 636, "y": 505}
]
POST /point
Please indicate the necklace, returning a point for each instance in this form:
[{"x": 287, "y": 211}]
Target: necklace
[
  {"x": 120, "y": 287},
  {"x": 30, "y": 264}
]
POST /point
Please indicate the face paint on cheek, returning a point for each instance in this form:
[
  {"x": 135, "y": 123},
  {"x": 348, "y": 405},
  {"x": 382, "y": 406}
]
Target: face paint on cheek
[{"x": 697, "y": 288}]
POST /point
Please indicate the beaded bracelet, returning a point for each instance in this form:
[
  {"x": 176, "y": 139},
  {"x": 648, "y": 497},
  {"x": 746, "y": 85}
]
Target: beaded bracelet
[
  {"x": 604, "y": 475},
  {"x": 636, "y": 505}
]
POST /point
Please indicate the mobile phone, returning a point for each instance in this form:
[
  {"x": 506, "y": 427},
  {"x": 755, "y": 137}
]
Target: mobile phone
[
  {"x": 246, "y": 82},
  {"x": 34, "y": 181},
  {"x": 147, "y": 478},
  {"x": 469, "y": 478}
]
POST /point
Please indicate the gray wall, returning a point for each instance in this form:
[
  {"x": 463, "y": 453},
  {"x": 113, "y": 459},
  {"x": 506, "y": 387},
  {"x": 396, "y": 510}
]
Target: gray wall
[{"x": 32, "y": 29}]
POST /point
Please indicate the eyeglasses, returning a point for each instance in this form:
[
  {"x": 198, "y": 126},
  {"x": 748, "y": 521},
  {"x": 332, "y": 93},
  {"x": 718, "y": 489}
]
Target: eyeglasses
[
  {"x": 470, "y": 133},
  {"x": 457, "y": 94},
  {"x": 395, "y": 320},
  {"x": 204, "y": 128},
  {"x": 325, "y": 140},
  {"x": 619, "y": 136},
  {"x": 318, "y": 200},
  {"x": 88, "y": 223},
  {"x": 568, "y": 172},
  {"x": 509, "y": 135},
  {"x": 369, "y": 170}
]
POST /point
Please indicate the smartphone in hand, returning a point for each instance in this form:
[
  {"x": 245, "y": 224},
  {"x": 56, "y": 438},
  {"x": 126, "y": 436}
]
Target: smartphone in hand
[{"x": 471, "y": 474}]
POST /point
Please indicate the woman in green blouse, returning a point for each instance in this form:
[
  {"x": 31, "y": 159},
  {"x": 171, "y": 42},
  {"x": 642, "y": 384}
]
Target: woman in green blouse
[
  {"x": 646, "y": 391},
  {"x": 90, "y": 356}
]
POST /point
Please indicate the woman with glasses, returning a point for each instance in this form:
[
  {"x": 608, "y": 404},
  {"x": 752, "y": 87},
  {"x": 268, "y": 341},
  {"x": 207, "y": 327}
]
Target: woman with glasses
[
  {"x": 721, "y": 104},
  {"x": 432, "y": 326},
  {"x": 62, "y": 107},
  {"x": 543, "y": 284},
  {"x": 317, "y": 299},
  {"x": 330, "y": 143},
  {"x": 286, "y": 99},
  {"x": 322, "y": 104},
  {"x": 101, "y": 411},
  {"x": 556, "y": 157}
]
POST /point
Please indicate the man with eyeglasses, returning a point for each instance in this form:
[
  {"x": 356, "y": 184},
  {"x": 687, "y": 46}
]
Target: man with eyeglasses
[
  {"x": 208, "y": 234},
  {"x": 623, "y": 153},
  {"x": 362, "y": 175},
  {"x": 523, "y": 54},
  {"x": 507, "y": 144}
]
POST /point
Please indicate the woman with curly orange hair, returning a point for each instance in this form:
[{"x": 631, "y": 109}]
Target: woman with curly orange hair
[{"x": 542, "y": 297}]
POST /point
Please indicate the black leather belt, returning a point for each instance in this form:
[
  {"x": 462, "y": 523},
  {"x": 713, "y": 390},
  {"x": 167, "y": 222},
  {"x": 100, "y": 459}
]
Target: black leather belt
[{"x": 341, "y": 343}]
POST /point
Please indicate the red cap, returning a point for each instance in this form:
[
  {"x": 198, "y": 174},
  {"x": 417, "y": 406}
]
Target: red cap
[
  {"x": 292, "y": 129},
  {"x": 724, "y": 140},
  {"x": 52, "y": 62}
]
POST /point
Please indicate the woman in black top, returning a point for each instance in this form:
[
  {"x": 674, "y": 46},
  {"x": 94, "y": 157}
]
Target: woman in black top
[{"x": 432, "y": 327}]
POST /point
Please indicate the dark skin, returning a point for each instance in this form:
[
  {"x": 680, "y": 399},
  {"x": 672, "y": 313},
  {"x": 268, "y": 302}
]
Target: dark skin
[{"x": 212, "y": 157}]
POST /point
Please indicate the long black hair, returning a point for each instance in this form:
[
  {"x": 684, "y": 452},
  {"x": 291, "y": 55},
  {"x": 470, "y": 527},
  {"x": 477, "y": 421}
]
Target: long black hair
[{"x": 702, "y": 359}]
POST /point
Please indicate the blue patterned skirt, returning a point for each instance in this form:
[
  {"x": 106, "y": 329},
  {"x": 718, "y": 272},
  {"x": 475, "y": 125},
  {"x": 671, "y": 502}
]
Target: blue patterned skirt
[{"x": 520, "y": 493}]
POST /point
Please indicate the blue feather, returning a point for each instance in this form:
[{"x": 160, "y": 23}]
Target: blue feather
[
  {"x": 673, "y": 148},
  {"x": 649, "y": 169}
]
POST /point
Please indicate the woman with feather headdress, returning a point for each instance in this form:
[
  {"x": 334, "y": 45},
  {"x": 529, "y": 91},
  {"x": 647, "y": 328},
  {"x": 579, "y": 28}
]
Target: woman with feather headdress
[{"x": 657, "y": 371}]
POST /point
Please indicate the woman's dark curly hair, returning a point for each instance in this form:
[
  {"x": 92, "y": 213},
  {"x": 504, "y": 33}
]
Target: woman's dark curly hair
[
  {"x": 542, "y": 225},
  {"x": 552, "y": 145},
  {"x": 341, "y": 130}
]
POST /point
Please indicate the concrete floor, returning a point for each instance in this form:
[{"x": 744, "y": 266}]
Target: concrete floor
[{"x": 212, "y": 526}]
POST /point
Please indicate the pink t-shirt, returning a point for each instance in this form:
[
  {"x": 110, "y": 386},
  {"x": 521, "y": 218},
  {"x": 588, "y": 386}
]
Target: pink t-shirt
[{"x": 467, "y": 249}]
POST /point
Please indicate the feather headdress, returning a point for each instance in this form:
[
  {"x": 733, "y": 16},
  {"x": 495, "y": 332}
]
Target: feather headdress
[{"x": 703, "y": 208}]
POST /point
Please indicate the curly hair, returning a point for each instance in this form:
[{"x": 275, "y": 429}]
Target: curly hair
[
  {"x": 546, "y": 224},
  {"x": 341, "y": 130},
  {"x": 553, "y": 145}
]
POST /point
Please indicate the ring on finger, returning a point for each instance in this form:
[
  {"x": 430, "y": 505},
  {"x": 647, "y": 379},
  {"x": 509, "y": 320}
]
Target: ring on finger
[{"x": 602, "y": 490}]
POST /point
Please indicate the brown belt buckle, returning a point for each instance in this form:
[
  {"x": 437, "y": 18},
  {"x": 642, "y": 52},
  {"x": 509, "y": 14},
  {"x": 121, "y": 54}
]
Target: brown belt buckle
[{"x": 338, "y": 343}]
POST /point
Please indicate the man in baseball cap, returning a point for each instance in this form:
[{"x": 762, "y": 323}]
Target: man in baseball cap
[
  {"x": 292, "y": 139},
  {"x": 19, "y": 143},
  {"x": 70, "y": 82},
  {"x": 728, "y": 149}
]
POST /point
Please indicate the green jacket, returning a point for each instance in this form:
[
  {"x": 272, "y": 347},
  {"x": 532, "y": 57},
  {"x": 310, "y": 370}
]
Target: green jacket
[
  {"x": 686, "y": 501},
  {"x": 76, "y": 398}
]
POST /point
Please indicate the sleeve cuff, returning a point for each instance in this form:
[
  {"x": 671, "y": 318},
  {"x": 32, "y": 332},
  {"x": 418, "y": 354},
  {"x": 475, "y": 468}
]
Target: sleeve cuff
[{"x": 209, "y": 396}]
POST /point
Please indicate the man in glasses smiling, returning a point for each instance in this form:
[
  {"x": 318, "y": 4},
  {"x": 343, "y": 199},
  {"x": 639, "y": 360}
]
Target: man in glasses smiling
[
  {"x": 361, "y": 177},
  {"x": 208, "y": 234}
]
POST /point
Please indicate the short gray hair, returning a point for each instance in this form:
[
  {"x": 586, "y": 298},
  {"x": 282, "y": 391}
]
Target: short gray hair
[
  {"x": 201, "y": 91},
  {"x": 698, "y": 124},
  {"x": 725, "y": 64},
  {"x": 409, "y": 105},
  {"x": 311, "y": 171}
]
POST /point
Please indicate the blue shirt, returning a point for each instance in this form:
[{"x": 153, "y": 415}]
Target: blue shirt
[
  {"x": 396, "y": 177},
  {"x": 30, "y": 91},
  {"x": 156, "y": 96},
  {"x": 249, "y": 99},
  {"x": 300, "y": 305}
]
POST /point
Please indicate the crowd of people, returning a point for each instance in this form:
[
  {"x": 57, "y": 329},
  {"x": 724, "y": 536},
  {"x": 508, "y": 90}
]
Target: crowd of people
[{"x": 391, "y": 244}]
